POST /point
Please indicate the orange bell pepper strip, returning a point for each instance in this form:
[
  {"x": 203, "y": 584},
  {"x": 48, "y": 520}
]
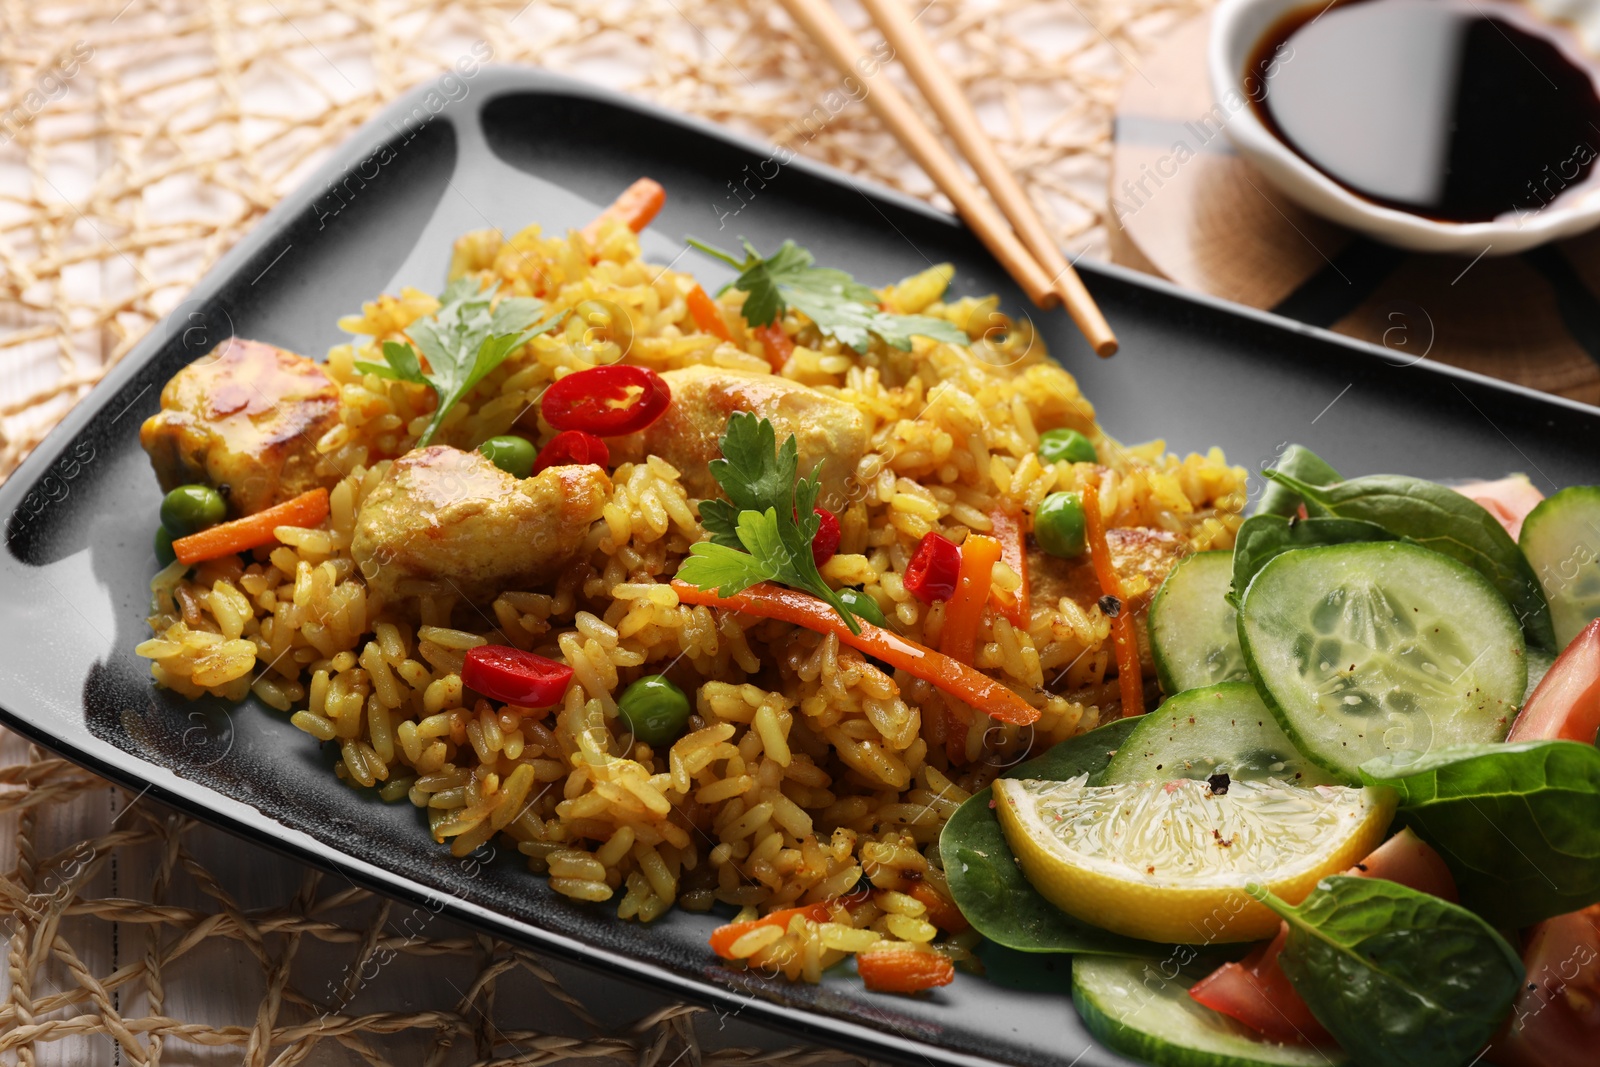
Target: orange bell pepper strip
[
  {"x": 1018, "y": 607},
  {"x": 308, "y": 509},
  {"x": 963, "y": 613},
  {"x": 724, "y": 937},
  {"x": 1130, "y": 681},
  {"x": 636, "y": 207},
  {"x": 779, "y": 345},
  {"x": 707, "y": 315},
  {"x": 904, "y": 970},
  {"x": 802, "y": 609},
  {"x": 963, "y": 618}
]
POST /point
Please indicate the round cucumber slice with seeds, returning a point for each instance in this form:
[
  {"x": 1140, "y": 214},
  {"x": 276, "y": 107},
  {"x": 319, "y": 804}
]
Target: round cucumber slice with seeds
[
  {"x": 1218, "y": 729},
  {"x": 1561, "y": 538},
  {"x": 1193, "y": 636},
  {"x": 1142, "y": 1008},
  {"x": 1365, "y": 649}
]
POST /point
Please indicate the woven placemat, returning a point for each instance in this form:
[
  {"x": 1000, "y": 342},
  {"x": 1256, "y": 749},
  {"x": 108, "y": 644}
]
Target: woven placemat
[{"x": 138, "y": 140}]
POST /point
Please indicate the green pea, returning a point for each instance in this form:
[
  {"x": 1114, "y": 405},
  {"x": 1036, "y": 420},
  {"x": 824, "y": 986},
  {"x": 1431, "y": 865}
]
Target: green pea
[
  {"x": 1058, "y": 525},
  {"x": 189, "y": 509},
  {"x": 1056, "y": 446},
  {"x": 164, "y": 554},
  {"x": 863, "y": 606},
  {"x": 654, "y": 709},
  {"x": 510, "y": 453}
]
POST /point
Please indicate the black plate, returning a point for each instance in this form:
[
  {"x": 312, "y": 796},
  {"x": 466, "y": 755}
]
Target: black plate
[{"x": 521, "y": 147}]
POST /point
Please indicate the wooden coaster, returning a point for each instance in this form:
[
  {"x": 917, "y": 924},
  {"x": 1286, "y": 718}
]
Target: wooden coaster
[{"x": 1185, "y": 206}]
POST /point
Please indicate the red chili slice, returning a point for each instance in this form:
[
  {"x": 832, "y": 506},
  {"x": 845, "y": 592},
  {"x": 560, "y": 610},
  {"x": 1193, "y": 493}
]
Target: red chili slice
[
  {"x": 572, "y": 446},
  {"x": 934, "y": 568},
  {"x": 826, "y": 543},
  {"x": 513, "y": 676},
  {"x": 606, "y": 401}
]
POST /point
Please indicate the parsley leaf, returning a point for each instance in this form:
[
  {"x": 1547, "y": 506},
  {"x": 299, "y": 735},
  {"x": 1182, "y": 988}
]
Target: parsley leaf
[
  {"x": 840, "y": 306},
  {"x": 763, "y": 531},
  {"x": 463, "y": 341}
]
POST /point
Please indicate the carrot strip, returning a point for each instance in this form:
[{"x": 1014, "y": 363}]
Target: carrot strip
[
  {"x": 779, "y": 345},
  {"x": 638, "y": 204},
  {"x": 252, "y": 531},
  {"x": 1129, "y": 679},
  {"x": 802, "y": 609},
  {"x": 723, "y": 937},
  {"x": 904, "y": 970},
  {"x": 941, "y": 912},
  {"x": 1014, "y": 554},
  {"x": 707, "y": 315}
]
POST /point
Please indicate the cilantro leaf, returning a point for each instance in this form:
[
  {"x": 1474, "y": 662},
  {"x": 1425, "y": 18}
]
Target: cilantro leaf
[
  {"x": 463, "y": 341},
  {"x": 726, "y": 570},
  {"x": 841, "y": 307},
  {"x": 763, "y": 531},
  {"x": 401, "y": 363}
]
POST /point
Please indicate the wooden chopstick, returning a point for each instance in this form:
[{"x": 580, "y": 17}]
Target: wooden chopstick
[
  {"x": 890, "y": 105},
  {"x": 961, "y": 123},
  {"x": 825, "y": 28}
]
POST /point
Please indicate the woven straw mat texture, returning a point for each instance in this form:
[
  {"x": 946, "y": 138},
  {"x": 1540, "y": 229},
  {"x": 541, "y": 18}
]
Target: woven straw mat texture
[{"x": 138, "y": 140}]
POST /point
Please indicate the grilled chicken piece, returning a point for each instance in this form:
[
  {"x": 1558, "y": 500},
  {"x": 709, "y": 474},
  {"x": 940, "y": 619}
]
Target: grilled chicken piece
[
  {"x": 444, "y": 515},
  {"x": 246, "y": 419},
  {"x": 703, "y": 398},
  {"x": 1135, "y": 550}
]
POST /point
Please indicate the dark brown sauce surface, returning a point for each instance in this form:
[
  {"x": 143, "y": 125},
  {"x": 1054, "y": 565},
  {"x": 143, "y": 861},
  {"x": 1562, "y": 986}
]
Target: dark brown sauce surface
[{"x": 1459, "y": 110}]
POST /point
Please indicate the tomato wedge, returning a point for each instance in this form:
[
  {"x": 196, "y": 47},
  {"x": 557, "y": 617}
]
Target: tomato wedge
[
  {"x": 606, "y": 401},
  {"x": 1508, "y": 499},
  {"x": 1566, "y": 703},
  {"x": 513, "y": 676},
  {"x": 572, "y": 447},
  {"x": 1555, "y": 1021},
  {"x": 1411, "y": 861},
  {"x": 1256, "y": 992}
]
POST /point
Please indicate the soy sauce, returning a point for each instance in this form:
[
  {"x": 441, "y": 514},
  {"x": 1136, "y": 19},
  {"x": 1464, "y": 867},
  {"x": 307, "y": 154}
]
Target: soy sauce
[{"x": 1458, "y": 110}]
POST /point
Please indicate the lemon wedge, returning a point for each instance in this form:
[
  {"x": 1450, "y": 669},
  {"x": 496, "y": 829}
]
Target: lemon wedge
[{"x": 1169, "y": 861}]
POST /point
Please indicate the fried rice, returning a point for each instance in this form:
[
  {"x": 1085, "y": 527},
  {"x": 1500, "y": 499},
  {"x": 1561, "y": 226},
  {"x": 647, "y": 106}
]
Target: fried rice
[{"x": 806, "y": 768}]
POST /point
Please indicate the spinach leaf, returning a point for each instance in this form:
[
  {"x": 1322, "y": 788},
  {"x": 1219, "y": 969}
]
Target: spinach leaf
[
  {"x": 1397, "y": 976},
  {"x": 1264, "y": 537},
  {"x": 1443, "y": 520},
  {"x": 1085, "y": 754},
  {"x": 1300, "y": 462},
  {"x": 1518, "y": 824},
  {"x": 988, "y": 886}
]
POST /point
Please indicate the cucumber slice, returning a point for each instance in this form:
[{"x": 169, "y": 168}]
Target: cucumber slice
[
  {"x": 1220, "y": 729},
  {"x": 1193, "y": 634},
  {"x": 1561, "y": 538},
  {"x": 1133, "y": 1006},
  {"x": 1539, "y": 664},
  {"x": 1365, "y": 649}
]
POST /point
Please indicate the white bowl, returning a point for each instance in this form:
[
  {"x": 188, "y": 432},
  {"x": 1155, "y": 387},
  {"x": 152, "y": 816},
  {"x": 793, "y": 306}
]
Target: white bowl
[{"x": 1238, "y": 25}]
